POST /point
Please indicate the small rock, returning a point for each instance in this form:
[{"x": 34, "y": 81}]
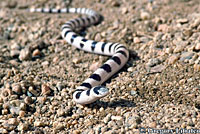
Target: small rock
[
  {"x": 58, "y": 126},
  {"x": 25, "y": 54},
  {"x": 136, "y": 40},
  {"x": 115, "y": 3},
  {"x": 13, "y": 121},
  {"x": 163, "y": 28},
  {"x": 17, "y": 88},
  {"x": 182, "y": 21},
  {"x": 119, "y": 118},
  {"x": 4, "y": 111},
  {"x": 130, "y": 69},
  {"x": 14, "y": 53},
  {"x": 153, "y": 62},
  {"x": 176, "y": 120},
  {"x": 22, "y": 113},
  {"x": 197, "y": 67},
  {"x": 145, "y": 15},
  {"x": 15, "y": 46},
  {"x": 39, "y": 124},
  {"x": 157, "y": 69},
  {"x": 133, "y": 92},
  {"x": 187, "y": 32},
  {"x": 76, "y": 60},
  {"x": 60, "y": 112},
  {"x": 179, "y": 48},
  {"x": 144, "y": 39},
  {"x": 196, "y": 23},
  {"x": 107, "y": 118},
  {"x": 8, "y": 126},
  {"x": 23, "y": 106},
  {"x": 153, "y": 125},
  {"x": 41, "y": 99},
  {"x": 124, "y": 10},
  {"x": 186, "y": 55},
  {"x": 59, "y": 86},
  {"x": 63, "y": 63},
  {"x": 36, "y": 52},
  {"x": 45, "y": 89},
  {"x": 76, "y": 132},
  {"x": 14, "y": 110},
  {"x": 33, "y": 91},
  {"x": 55, "y": 59},
  {"x": 28, "y": 100},
  {"x": 22, "y": 127},
  {"x": 197, "y": 47},
  {"x": 158, "y": 36},
  {"x": 45, "y": 63},
  {"x": 169, "y": 50}
]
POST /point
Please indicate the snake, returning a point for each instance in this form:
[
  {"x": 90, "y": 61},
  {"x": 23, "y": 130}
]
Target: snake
[{"x": 91, "y": 89}]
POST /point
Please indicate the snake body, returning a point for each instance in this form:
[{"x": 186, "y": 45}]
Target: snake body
[{"x": 90, "y": 90}]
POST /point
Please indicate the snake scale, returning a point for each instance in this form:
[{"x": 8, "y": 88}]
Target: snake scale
[{"x": 90, "y": 90}]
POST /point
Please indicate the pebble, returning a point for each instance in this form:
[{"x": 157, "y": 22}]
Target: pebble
[
  {"x": 22, "y": 127},
  {"x": 25, "y": 54},
  {"x": 182, "y": 21},
  {"x": 45, "y": 63},
  {"x": 28, "y": 100},
  {"x": 45, "y": 89},
  {"x": 36, "y": 52},
  {"x": 33, "y": 91},
  {"x": 124, "y": 10},
  {"x": 17, "y": 88},
  {"x": 163, "y": 28},
  {"x": 119, "y": 118},
  {"x": 145, "y": 15},
  {"x": 23, "y": 106},
  {"x": 58, "y": 126},
  {"x": 76, "y": 60},
  {"x": 187, "y": 32},
  {"x": 157, "y": 69},
  {"x": 22, "y": 113},
  {"x": 197, "y": 67},
  {"x": 197, "y": 47},
  {"x": 179, "y": 48},
  {"x": 130, "y": 69},
  {"x": 15, "y": 46},
  {"x": 169, "y": 50},
  {"x": 173, "y": 58},
  {"x": 14, "y": 53},
  {"x": 14, "y": 110},
  {"x": 196, "y": 23},
  {"x": 13, "y": 121},
  {"x": 39, "y": 124},
  {"x": 186, "y": 55},
  {"x": 107, "y": 118},
  {"x": 153, "y": 124},
  {"x": 41, "y": 99},
  {"x": 153, "y": 62},
  {"x": 136, "y": 40},
  {"x": 133, "y": 92}
]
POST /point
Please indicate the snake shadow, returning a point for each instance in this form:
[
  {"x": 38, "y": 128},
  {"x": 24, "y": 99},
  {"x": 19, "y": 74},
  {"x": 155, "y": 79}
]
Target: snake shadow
[{"x": 112, "y": 104}]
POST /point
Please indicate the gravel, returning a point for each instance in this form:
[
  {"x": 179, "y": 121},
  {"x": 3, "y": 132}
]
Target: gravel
[{"x": 159, "y": 87}]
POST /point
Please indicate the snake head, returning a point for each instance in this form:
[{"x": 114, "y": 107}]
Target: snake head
[{"x": 100, "y": 91}]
